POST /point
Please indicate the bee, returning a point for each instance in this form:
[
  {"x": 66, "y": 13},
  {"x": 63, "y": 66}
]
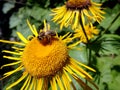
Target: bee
[{"x": 46, "y": 37}]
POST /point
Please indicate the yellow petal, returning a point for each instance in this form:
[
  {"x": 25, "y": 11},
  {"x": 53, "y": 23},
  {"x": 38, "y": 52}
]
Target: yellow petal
[
  {"x": 40, "y": 84},
  {"x": 14, "y": 71},
  {"x": 53, "y": 84},
  {"x": 12, "y": 58},
  {"x": 11, "y": 52},
  {"x": 11, "y": 64},
  {"x": 12, "y": 42},
  {"x": 31, "y": 84},
  {"x": 83, "y": 65},
  {"x": 17, "y": 48},
  {"x": 26, "y": 82},
  {"x": 75, "y": 70},
  {"x": 59, "y": 82},
  {"x": 66, "y": 74},
  {"x": 33, "y": 30},
  {"x": 81, "y": 70},
  {"x": 22, "y": 37},
  {"x": 74, "y": 44},
  {"x": 18, "y": 81},
  {"x": 66, "y": 82}
]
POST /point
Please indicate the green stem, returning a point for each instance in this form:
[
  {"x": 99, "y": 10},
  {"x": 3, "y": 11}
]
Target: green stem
[
  {"x": 87, "y": 49},
  {"x": 83, "y": 29},
  {"x": 89, "y": 57}
]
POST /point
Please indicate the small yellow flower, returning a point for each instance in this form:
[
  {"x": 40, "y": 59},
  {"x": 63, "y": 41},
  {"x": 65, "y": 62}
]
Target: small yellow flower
[
  {"x": 74, "y": 10},
  {"x": 89, "y": 30},
  {"x": 44, "y": 61}
]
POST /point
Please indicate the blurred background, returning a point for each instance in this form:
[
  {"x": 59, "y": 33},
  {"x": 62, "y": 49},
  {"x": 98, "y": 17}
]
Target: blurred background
[{"x": 106, "y": 50}]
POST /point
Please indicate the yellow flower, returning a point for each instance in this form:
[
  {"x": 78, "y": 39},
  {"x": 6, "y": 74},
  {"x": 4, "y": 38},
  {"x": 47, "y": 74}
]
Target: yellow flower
[
  {"x": 89, "y": 30},
  {"x": 44, "y": 60},
  {"x": 74, "y": 10}
]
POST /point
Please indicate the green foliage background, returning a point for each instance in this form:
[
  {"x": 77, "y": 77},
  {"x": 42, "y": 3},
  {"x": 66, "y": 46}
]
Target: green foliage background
[{"x": 103, "y": 53}]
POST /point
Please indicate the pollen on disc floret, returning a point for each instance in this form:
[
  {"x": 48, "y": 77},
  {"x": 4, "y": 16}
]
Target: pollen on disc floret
[{"x": 44, "y": 60}]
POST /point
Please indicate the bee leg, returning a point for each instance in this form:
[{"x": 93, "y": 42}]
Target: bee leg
[
  {"x": 40, "y": 38},
  {"x": 49, "y": 39}
]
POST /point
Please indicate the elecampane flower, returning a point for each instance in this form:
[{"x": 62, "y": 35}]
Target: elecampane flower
[
  {"x": 74, "y": 10},
  {"x": 44, "y": 61},
  {"x": 90, "y": 31}
]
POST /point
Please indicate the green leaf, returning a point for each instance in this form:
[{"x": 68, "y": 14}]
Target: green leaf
[
  {"x": 104, "y": 66},
  {"x": 24, "y": 29},
  {"x": 40, "y": 13},
  {"x": 109, "y": 76},
  {"x": 116, "y": 60},
  {"x": 115, "y": 25},
  {"x": 114, "y": 84},
  {"x": 112, "y": 18},
  {"x": 7, "y": 7},
  {"x": 14, "y": 20},
  {"x": 79, "y": 55},
  {"x": 107, "y": 44}
]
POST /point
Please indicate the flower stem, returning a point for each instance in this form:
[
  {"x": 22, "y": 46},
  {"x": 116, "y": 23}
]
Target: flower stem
[
  {"x": 83, "y": 29},
  {"x": 89, "y": 57}
]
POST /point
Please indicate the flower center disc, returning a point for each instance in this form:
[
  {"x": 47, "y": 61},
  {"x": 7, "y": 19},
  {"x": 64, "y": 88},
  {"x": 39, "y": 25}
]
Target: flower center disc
[
  {"x": 44, "y": 60},
  {"x": 77, "y": 4}
]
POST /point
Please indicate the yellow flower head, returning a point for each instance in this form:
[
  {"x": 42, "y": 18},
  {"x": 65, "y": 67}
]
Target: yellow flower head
[
  {"x": 44, "y": 60},
  {"x": 89, "y": 30},
  {"x": 74, "y": 10}
]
